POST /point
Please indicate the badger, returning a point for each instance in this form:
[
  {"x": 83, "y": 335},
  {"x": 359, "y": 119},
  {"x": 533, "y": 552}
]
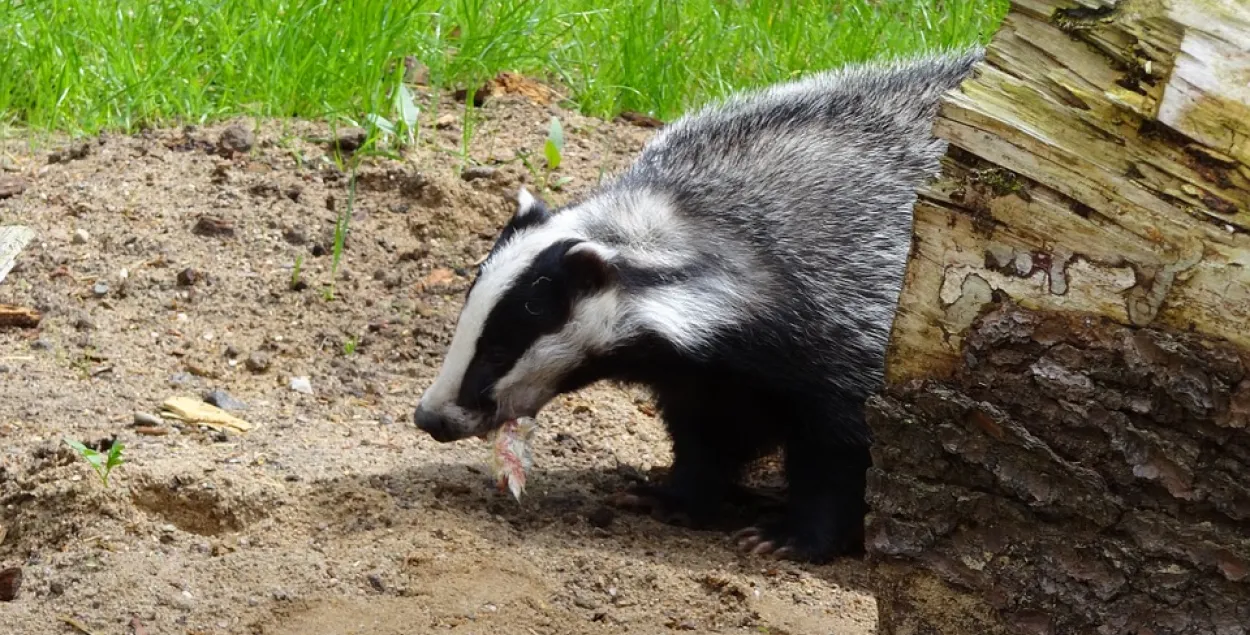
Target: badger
[{"x": 746, "y": 269}]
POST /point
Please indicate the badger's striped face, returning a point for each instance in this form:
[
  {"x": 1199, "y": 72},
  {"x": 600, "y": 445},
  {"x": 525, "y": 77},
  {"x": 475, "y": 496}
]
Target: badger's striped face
[{"x": 543, "y": 301}]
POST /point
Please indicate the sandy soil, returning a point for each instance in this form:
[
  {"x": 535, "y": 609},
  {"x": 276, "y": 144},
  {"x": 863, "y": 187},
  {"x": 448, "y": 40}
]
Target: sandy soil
[{"x": 333, "y": 515}]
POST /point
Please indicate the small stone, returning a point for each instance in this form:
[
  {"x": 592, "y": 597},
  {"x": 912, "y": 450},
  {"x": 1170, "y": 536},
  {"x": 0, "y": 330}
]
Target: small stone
[
  {"x": 399, "y": 208},
  {"x": 181, "y": 379},
  {"x": 231, "y": 351},
  {"x": 282, "y": 595},
  {"x": 236, "y": 138},
  {"x": 350, "y": 139},
  {"x": 100, "y": 289},
  {"x": 444, "y": 122},
  {"x": 41, "y": 344},
  {"x": 257, "y": 362},
  {"x": 188, "y": 277},
  {"x": 302, "y": 385},
  {"x": 293, "y": 193},
  {"x": 80, "y": 237},
  {"x": 223, "y": 400},
  {"x": 602, "y": 517},
  {"x": 10, "y": 584},
  {"x": 56, "y": 589},
  {"x": 182, "y": 601},
  {"x": 294, "y": 236},
  {"x": 147, "y": 419},
  {"x": 375, "y": 581},
  {"x": 386, "y": 420},
  {"x": 11, "y": 186},
  {"x": 478, "y": 172}
]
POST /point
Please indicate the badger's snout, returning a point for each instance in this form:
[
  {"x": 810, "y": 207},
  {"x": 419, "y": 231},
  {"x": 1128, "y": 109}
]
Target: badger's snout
[{"x": 435, "y": 424}]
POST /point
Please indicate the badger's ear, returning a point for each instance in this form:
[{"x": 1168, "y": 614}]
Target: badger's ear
[
  {"x": 530, "y": 210},
  {"x": 590, "y": 266}
]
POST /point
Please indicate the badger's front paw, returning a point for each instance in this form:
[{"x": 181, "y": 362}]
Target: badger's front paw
[
  {"x": 666, "y": 504},
  {"x": 801, "y": 543}
]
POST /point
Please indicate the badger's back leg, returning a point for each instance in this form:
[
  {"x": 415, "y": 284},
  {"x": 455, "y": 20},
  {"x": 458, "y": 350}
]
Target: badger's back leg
[
  {"x": 826, "y": 463},
  {"x": 715, "y": 431}
]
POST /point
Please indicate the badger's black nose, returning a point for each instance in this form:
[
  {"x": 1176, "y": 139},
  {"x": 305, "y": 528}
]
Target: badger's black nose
[{"x": 433, "y": 424}]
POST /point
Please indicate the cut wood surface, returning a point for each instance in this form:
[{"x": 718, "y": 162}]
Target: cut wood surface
[
  {"x": 1100, "y": 162},
  {"x": 1063, "y": 444}
]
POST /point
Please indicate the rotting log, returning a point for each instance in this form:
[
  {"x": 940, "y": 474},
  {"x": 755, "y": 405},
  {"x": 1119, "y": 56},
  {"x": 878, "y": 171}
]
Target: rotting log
[{"x": 1063, "y": 445}]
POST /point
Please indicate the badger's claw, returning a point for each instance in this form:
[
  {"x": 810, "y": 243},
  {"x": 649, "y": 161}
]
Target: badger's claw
[
  {"x": 771, "y": 541},
  {"x": 661, "y": 504}
]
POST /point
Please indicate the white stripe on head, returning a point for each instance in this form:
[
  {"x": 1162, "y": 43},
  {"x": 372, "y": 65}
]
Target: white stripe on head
[
  {"x": 533, "y": 380},
  {"x": 497, "y": 276}
]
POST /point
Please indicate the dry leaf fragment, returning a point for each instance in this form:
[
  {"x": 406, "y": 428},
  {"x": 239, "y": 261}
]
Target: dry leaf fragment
[{"x": 194, "y": 411}]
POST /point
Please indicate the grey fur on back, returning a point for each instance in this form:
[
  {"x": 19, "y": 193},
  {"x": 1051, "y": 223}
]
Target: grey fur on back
[{"x": 799, "y": 197}]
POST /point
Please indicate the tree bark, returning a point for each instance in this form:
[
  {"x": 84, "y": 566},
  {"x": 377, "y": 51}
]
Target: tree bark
[{"x": 1062, "y": 445}]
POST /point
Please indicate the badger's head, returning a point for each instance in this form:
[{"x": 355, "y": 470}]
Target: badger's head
[{"x": 542, "y": 304}]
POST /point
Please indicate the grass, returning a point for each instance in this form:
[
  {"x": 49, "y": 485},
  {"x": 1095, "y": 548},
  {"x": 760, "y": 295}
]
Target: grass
[{"x": 83, "y": 66}]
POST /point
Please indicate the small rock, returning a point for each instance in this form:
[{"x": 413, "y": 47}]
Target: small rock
[
  {"x": 147, "y": 419},
  {"x": 223, "y": 400},
  {"x": 444, "y": 122},
  {"x": 602, "y": 517},
  {"x": 181, "y": 379},
  {"x": 182, "y": 601},
  {"x": 301, "y": 384},
  {"x": 386, "y": 420},
  {"x": 10, "y": 584},
  {"x": 231, "y": 352},
  {"x": 236, "y": 138},
  {"x": 294, "y": 236},
  {"x": 399, "y": 208},
  {"x": 188, "y": 277},
  {"x": 350, "y": 140},
  {"x": 4, "y": 370},
  {"x": 100, "y": 289},
  {"x": 41, "y": 344},
  {"x": 80, "y": 237},
  {"x": 212, "y": 226},
  {"x": 375, "y": 581},
  {"x": 257, "y": 362},
  {"x": 478, "y": 172},
  {"x": 56, "y": 589},
  {"x": 282, "y": 595},
  {"x": 11, "y": 186},
  {"x": 293, "y": 193}
]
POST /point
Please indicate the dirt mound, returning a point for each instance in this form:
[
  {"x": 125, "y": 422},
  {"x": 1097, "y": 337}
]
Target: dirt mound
[{"x": 166, "y": 266}]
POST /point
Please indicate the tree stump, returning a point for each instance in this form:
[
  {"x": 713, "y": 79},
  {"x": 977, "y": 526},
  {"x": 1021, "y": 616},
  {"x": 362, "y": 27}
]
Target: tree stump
[{"x": 1063, "y": 445}]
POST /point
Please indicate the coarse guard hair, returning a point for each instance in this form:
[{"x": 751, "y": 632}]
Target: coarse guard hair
[
  {"x": 746, "y": 267},
  {"x": 791, "y": 204}
]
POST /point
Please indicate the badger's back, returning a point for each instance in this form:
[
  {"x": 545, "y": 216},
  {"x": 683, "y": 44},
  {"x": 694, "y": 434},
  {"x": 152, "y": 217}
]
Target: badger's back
[{"x": 801, "y": 196}]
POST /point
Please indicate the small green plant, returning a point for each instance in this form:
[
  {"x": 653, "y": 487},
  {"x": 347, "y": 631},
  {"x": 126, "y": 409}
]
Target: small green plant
[
  {"x": 102, "y": 464},
  {"x": 340, "y": 231},
  {"x": 296, "y": 283},
  {"x": 349, "y": 347},
  {"x": 467, "y": 130},
  {"x": 553, "y": 150}
]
